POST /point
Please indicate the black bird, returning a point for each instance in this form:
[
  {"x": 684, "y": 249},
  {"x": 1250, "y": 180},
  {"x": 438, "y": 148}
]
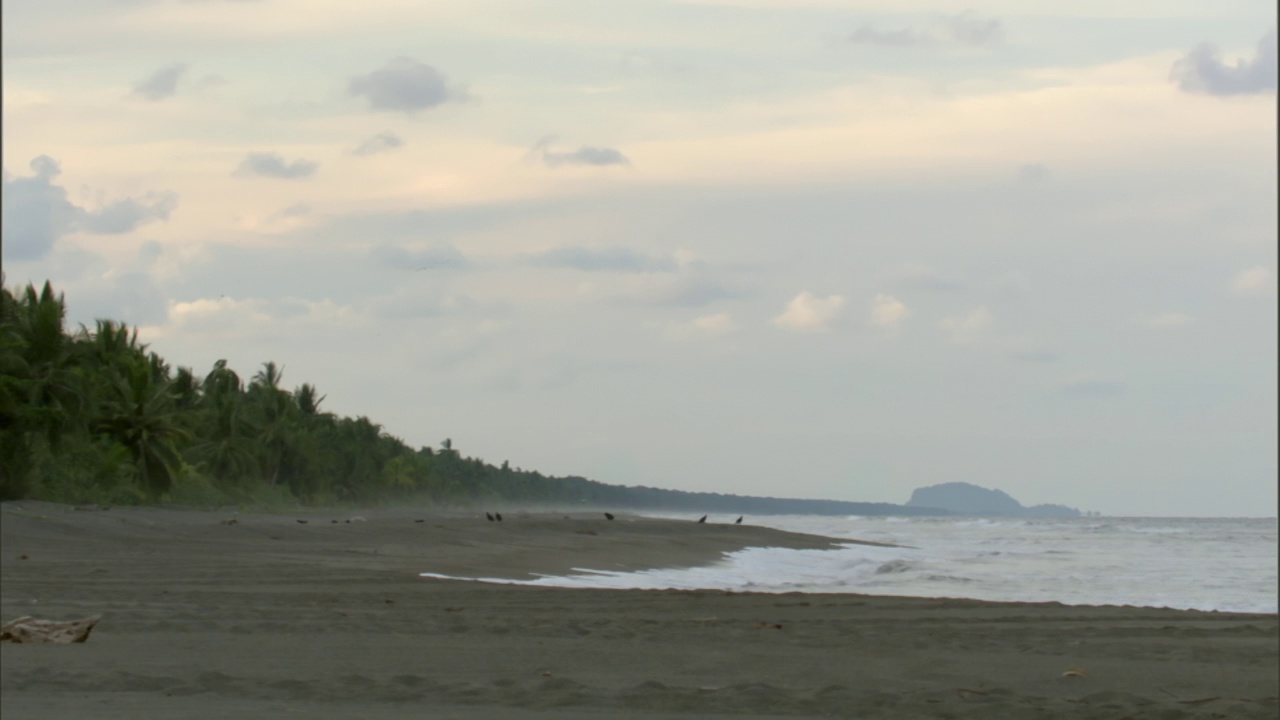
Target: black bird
[
  {"x": 302, "y": 522},
  {"x": 608, "y": 516},
  {"x": 419, "y": 521},
  {"x": 738, "y": 521},
  {"x": 498, "y": 516},
  {"x": 702, "y": 519},
  {"x": 489, "y": 516}
]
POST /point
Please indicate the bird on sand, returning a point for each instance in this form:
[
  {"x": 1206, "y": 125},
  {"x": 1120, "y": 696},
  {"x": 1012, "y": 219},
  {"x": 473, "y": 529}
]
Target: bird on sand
[
  {"x": 738, "y": 521},
  {"x": 302, "y": 522},
  {"x": 497, "y": 516},
  {"x": 702, "y": 519},
  {"x": 608, "y": 516},
  {"x": 489, "y": 516}
]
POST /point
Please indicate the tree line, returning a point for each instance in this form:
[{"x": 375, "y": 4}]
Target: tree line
[{"x": 92, "y": 415}]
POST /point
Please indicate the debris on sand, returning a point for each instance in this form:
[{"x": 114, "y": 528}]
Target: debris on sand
[{"x": 29, "y": 630}]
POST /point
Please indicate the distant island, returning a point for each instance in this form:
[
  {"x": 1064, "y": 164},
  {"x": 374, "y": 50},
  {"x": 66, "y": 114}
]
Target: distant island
[{"x": 962, "y": 498}]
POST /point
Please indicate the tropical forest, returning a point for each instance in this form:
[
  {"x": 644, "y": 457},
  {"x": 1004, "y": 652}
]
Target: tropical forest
[{"x": 91, "y": 415}]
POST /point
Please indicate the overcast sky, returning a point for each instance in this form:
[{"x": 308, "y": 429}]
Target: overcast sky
[{"x": 799, "y": 248}]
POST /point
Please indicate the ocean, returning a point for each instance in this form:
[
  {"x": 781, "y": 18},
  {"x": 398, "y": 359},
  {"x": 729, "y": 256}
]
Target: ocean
[{"x": 1226, "y": 564}]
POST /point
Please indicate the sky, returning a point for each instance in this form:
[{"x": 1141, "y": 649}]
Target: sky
[{"x": 799, "y": 248}]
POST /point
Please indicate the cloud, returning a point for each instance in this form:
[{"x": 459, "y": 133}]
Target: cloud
[
  {"x": 715, "y": 325},
  {"x": 382, "y": 142},
  {"x": 124, "y": 215},
  {"x": 606, "y": 259},
  {"x": 208, "y": 82},
  {"x": 967, "y": 328},
  {"x": 966, "y": 29},
  {"x": 272, "y": 165},
  {"x": 585, "y": 155},
  {"x": 414, "y": 303},
  {"x": 149, "y": 252},
  {"x": 131, "y": 297},
  {"x": 887, "y": 312},
  {"x": 36, "y": 212},
  {"x": 971, "y": 30},
  {"x": 404, "y": 85},
  {"x": 1203, "y": 71},
  {"x": 163, "y": 83},
  {"x": 437, "y": 257},
  {"x": 1258, "y": 280},
  {"x": 867, "y": 35},
  {"x": 1165, "y": 320},
  {"x": 809, "y": 313}
]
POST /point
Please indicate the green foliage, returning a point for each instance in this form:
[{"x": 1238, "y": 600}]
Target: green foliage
[
  {"x": 138, "y": 412},
  {"x": 192, "y": 488}
]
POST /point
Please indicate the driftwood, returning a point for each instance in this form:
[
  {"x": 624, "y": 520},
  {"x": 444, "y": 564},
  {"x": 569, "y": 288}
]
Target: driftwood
[{"x": 27, "y": 629}]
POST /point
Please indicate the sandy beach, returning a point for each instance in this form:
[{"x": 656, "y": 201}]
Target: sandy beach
[{"x": 269, "y": 617}]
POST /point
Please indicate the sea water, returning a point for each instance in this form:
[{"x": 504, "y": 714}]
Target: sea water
[{"x": 1189, "y": 563}]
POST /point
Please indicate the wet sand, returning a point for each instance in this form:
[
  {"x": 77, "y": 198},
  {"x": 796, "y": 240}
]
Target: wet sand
[{"x": 269, "y": 617}]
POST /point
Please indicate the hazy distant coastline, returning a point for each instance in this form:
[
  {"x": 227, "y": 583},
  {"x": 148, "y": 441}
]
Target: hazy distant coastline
[{"x": 960, "y": 498}]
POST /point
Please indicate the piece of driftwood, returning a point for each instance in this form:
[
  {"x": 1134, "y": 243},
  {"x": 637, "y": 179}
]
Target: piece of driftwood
[{"x": 27, "y": 629}]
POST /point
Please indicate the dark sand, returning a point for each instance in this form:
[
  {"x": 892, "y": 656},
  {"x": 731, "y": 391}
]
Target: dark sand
[{"x": 272, "y": 618}]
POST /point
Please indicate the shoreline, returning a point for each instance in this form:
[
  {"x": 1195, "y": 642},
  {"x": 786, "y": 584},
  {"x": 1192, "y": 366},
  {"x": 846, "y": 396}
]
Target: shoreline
[{"x": 270, "y": 617}]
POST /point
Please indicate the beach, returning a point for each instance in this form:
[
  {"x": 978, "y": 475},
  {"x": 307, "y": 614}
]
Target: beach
[{"x": 259, "y": 615}]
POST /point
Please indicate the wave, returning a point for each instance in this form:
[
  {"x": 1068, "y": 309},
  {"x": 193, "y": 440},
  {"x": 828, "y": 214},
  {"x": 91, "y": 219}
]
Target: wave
[{"x": 1218, "y": 566}]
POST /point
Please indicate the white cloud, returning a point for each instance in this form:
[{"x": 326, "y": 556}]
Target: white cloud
[
  {"x": 968, "y": 327},
  {"x": 1165, "y": 320},
  {"x": 887, "y": 311},
  {"x": 1258, "y": 280},
  {"x": 226, "y": 319},
  {"x": 715, "y": 325},
  {"x": 809, "y": 313}
]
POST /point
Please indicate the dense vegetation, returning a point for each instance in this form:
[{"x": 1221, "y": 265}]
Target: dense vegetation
[{"x": 93, "y": 416}]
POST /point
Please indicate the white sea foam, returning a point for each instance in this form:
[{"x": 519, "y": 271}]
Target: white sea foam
[{"x": 1207, "y": 564}]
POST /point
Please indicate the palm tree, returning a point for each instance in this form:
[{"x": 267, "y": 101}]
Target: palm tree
[
  {"x": 276, "y": 416},
  {"x": 186, "y": 389},
  {"x": 40, "y": 390},
  {"x": 305, "y": 398},
  {"x": 140, "y": 415},
  {"x": 226, "y": 431},
  {"x": 110, "y": 342}
]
